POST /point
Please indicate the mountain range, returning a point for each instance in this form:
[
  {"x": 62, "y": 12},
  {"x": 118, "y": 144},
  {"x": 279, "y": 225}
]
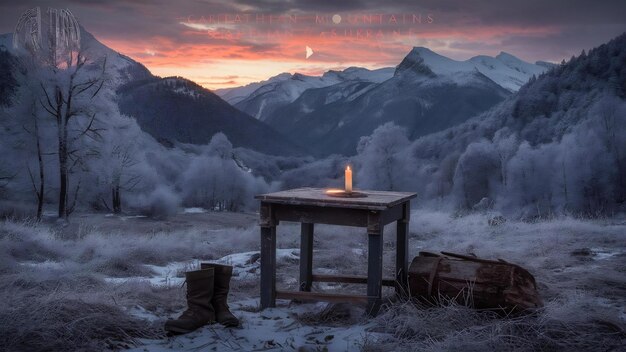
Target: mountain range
[
  {"x": 285, "y": 88},
  {"x": 558, "y": 144},
  {"x": 505, "y": 69},
  {"x": 171, "y": 109},
  {"x": 425, "y": 93},
  {"x": 174, "y": 109},
  {"x": 296, "y": 114}
]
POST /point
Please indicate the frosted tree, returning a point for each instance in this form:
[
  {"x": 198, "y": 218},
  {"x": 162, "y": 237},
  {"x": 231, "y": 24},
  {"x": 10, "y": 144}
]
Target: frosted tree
[
  {"x": 69, "y": 84},
  {"x": 214, "y": 180},
  {"x": 220, "y": 146},
  {"x": 118, "y": 162},
  {"x": 381, "y": 166},
  {"x": 443, "y": 178},
  {"x": 611, "y": 114},
  {"x": 25, "y": 116},
  {"x": 9, "y": 81},
  {"x": 506, "y": 145},
  {"x": 477, "y": 175},
  {"x": 7, "y": 174}
]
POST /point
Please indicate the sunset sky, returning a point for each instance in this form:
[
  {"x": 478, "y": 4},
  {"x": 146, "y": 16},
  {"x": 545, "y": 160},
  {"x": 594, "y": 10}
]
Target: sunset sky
[{"x": 230, "y": 43}]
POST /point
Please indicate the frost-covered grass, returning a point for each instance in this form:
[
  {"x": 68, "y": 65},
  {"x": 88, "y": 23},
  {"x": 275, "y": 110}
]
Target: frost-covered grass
[
  {"x": 55, "y": 291},
  {"x": 573, "y": 322},
  {"x": 90, "y": 286},
  {"x": 579, "y": 266}
]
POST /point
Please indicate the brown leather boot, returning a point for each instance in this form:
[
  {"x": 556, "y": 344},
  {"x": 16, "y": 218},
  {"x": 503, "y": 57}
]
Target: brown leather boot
[
  {"x": 199, "y": 308},
  {"x": 223, "y": 273}
]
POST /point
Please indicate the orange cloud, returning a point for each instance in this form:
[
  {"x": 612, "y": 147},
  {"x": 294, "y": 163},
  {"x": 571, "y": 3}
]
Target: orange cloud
[{"x": 206, "y": 54}]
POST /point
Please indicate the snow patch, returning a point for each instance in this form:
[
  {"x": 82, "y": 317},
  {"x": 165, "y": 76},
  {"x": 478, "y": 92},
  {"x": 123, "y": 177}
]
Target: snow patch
[
  {"x": 604, "y": 253},
  {"x": 48, "y": 264},
  {"x": 169, "y": 275},
  {"x": 274, "y": 329},
  {"x": 186, "y": 91},
  {"x": 246, "y": 265},
  {"x": 194, "y": 210}
]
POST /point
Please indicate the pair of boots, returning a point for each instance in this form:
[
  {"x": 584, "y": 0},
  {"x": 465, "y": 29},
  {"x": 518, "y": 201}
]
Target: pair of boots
[{"x": 207, "y": 292}]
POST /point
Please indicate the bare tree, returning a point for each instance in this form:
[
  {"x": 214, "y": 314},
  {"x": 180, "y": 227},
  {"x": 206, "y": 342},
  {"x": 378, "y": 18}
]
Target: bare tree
[
  {"x": 6, "y": 177},
  {"x": 68, "y": 86},
  {"x": 38, "y": 188},
  {"x": 611, "y": 111},
  {"x": 7, "y": 170},
  {"x": 25, "y": 116},
  {"x": 122, "y": 177},
  {"x": 59, "y": 101}
]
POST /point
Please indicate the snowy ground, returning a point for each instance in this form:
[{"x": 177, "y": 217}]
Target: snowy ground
[{"x": 110, "y": 282}]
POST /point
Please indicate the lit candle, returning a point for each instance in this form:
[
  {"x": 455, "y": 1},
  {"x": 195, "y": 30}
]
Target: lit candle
[{"x": 348, "y": 180}]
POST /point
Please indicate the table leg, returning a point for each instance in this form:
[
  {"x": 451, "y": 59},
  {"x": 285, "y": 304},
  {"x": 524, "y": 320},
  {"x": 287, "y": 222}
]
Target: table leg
[
  {"x": 268, "y": 267},
  {"x": 374, "y": 271},
  {"x": 306, "y": 256},
  {"x": 402, "y": 252}
]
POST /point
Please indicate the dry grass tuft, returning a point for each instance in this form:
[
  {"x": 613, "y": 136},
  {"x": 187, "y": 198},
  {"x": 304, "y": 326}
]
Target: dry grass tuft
[
  {"x": 34, "y": 321},
  {"x": 452, "y": 327},
  {"x": 338, "y": 314}
]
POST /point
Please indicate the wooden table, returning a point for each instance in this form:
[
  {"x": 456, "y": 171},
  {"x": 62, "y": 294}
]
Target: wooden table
[{"x": 310, "y": 206}]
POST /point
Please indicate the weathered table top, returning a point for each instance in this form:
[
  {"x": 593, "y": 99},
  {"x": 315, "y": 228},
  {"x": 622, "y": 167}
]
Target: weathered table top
[{"x": 375, "y": 200}]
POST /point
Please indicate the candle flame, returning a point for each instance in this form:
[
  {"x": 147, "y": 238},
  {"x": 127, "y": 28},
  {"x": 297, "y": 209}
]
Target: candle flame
[{"x": 348, "y": 168}]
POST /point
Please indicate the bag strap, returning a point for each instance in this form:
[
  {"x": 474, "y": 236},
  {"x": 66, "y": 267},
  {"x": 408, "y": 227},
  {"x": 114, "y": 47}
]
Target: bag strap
[
  {"x": 474, "y": 259},
  {"x": 433, "y": 273}
]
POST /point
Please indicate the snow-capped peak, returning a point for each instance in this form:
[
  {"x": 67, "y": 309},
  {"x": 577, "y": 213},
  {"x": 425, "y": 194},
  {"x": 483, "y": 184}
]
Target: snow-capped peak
[
  {"x": 359, "y": 74},
  {"x": 428, "y": 63},
  {"x": 504, "y": 57},
  {"x": 237, "y": 94},
  {"x": 287, "y": 90},
  {"x": 505, "y": 69}
]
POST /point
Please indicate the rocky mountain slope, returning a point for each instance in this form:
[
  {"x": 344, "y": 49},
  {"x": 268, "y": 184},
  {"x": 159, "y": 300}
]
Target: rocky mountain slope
[
  {"x": 174, "y": 109},
  {"x": 417, "y": 97}
]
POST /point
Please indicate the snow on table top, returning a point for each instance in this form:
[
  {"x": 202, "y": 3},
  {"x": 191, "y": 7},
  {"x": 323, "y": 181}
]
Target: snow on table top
[{"x": 376, "y": 200}]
